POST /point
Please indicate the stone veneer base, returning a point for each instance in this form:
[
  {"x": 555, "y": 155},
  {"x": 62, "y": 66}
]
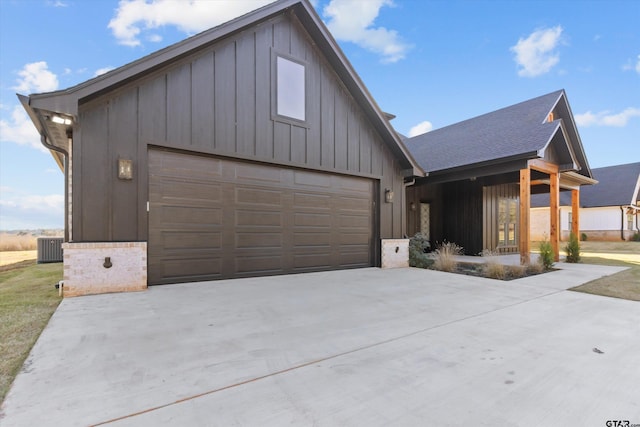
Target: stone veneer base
[
  {"x": 85, "y": 272},
  {"x": 395, "y": 253}
]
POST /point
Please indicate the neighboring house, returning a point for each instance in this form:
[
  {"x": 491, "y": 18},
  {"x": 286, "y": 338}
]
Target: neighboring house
[
  {"x": 608, "y": 211},
  {"x": 481, "y": 172},
  {"x": 250, "y": 149}
]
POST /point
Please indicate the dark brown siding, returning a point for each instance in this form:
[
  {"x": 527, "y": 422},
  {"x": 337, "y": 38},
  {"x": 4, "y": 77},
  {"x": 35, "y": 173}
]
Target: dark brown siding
[
  {"x": 426, "y": 193},
  {"x": 218, "y": 102},
  {"x": 456, "y": 213},
  {"x": 213, "y": 218}
]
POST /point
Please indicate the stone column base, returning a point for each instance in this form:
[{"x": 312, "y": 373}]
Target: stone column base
[
  {"x": 103, "y": 267},
  {"x": 395, "y": 253}
]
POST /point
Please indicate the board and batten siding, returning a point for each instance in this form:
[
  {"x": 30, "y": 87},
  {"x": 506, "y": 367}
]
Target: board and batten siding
[{"x": 219, "y": 101}]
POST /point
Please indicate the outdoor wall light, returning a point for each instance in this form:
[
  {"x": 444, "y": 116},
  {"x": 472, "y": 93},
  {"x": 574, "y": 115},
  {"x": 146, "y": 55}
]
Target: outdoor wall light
[
  {"x": 60, "y": 120},
  {"x": 412, "y": 206},
  {"x": 388, "y": 195},
  {"x": 125, "y": 169}
]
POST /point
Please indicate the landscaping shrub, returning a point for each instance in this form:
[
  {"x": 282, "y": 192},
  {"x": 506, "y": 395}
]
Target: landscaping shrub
[
  {"x": 635, "y": 237},
  {"x": 546, "y": 255},
  {"x": 492, "y": 266},
  {"x": 535, "y": 268},
  {"x": 418, "y": 246},
  {"x": 573, "y": 249},
  {"x": 583, "y": 237},
  {"x": 445, "y": 256},
  {"x": 516, "y": 271}
]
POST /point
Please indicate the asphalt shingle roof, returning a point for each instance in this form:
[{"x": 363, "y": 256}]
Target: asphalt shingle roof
[
  {"x": 512, "y": 131},
  {"x": 615, "y": 187}
]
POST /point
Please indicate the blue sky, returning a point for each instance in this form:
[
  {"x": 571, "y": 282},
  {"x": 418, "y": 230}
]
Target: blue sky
[{"x": 431, "y": 63}]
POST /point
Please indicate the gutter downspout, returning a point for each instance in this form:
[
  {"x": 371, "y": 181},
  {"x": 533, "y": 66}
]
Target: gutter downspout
[
  {"x": 405, "y": 216},
  {"x": 65, "y": 153}
]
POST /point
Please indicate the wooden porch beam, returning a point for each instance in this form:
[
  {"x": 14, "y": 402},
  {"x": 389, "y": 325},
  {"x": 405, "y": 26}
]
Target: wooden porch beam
[
  {"x": 554, "y": 211},
  {"x": 524, "y": 244},
  {"x": 575, "y": 213},
  {"x": 543, "y": 166}
]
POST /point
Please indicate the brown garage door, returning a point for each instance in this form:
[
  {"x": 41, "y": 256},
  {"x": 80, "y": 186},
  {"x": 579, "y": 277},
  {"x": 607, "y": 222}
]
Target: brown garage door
[{"x": 213, "y": 218}]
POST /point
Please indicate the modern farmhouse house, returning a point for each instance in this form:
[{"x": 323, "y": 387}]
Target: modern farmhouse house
[
  {"x": 254, "y": 148},
  {"x": 608, "y": 211}
]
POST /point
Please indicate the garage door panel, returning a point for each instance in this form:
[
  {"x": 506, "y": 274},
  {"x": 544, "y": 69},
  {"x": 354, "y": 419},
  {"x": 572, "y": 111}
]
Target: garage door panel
[
  {"x": 312, "y": 201},
  {"x": 190, "y": 215},
  {"x": 260, "y": 264},
  {"x": 191, "y": 268},
  {"x": 247, "y": 219},
  {"x": 355, "y": 221},
  {"x": 179, "y": 190},
  {"x": 354, "y": 204},
  {"x": 312, "y": 239},
  {"x": 315, "y": 220},
  {"x": 252, "y": 173},
  {"x": 195, "y": 239},
  {"x": 258, "y": 240},
  {"x": 259, "y": 196},
  {"x": 355, "y": 185},
  {"x": 354, "y": 259},
  {"x": 351, "y": 239},
  {"x": 305, "y": 261},
  {"x": 259, "y": 218}
]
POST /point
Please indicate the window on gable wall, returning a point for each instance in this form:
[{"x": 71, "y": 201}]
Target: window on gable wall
[{"x": 290, "y": 84}]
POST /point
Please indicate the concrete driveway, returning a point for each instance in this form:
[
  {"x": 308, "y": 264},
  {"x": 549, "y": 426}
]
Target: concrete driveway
[{"x": 361, "y": 347}]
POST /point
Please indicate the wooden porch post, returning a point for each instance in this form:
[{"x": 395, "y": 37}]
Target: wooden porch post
[
  {"x": 575, "y": 213},
  {"x": 554, "y": 211},
  {"x": 524, "y": 245}
]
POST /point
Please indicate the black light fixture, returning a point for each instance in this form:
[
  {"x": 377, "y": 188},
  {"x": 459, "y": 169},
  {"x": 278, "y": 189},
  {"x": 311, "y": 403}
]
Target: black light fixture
[{"x": 388, "y": 195}]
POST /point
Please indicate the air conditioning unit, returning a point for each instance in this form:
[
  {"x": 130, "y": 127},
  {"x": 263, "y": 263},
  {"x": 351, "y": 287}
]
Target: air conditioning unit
[{"x": 49, "y": 249}]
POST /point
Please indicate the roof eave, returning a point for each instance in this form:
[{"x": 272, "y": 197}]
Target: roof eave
[{"x": 38, "y": 122}]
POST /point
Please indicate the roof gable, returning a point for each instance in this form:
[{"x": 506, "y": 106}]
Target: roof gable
[{"x": 520, "y": 131}]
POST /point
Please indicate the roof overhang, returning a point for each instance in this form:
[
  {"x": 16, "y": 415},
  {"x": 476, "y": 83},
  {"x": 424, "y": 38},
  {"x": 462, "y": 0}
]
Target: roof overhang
[{"x": 54, "y": 128}]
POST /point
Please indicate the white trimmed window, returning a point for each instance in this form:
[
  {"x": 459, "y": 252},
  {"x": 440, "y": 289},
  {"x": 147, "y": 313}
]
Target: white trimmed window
[{"x": 290, "y": 101}]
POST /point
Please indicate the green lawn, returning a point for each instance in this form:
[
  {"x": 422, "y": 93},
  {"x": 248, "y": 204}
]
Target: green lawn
[
  {"x": 28, "y": 298},
  {"x": 625, "y": 284}
]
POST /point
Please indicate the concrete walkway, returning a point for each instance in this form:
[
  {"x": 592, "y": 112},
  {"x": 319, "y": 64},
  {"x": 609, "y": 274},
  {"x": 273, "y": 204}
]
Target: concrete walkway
[{"x": 360, "y": 347}]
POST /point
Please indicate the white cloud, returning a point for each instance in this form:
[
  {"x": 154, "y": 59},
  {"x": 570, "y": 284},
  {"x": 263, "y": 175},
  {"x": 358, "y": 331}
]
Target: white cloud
[
  {"x": 135, "y": 16},
  {"x": 36, "y": 77},
  {"x": 20, "y": 211},
  {"x": 57, "y": 3},
  {"x": 101, "y": 71},
  {"x": 631, "y": 66},
  {"x": 606, "y": 118},
  {"x": 536, "y": 54},
  {"x": 20, "y": 130},
  {"x": 420, "y": 128},
  {"x": 352, "y": 21}
]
